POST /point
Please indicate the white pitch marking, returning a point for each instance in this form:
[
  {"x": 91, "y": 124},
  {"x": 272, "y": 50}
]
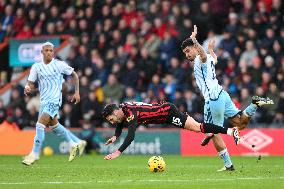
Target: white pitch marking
[{"x": 154, "y": 180}]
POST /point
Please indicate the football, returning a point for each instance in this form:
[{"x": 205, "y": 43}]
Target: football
[{"x": 156, "y": 164}]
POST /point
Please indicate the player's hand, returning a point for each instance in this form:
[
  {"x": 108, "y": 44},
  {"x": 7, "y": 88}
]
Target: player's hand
[
  {"x": 113, "y": 155},
  {"x": 211, "y": 44},
  {"x": 27, "y": 90},
  {"x": 194, "y": 33},
  {"x": 111, "y": 140},
  {"x": 76, "y": 98}
]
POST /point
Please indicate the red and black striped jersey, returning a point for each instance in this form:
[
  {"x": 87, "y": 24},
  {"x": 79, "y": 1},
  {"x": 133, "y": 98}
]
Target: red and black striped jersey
[
  {"x": 143, "y": 113},
  {"x": 138, "y": 113}
]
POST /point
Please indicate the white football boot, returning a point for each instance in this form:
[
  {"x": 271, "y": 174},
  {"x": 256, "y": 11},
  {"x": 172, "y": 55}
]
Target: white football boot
[
  {"x": 30, "y": 159},
  {"x": 82, "y": 146},
  {"x": 259, "y": 101},
  {"x": 73, "y": 152}
]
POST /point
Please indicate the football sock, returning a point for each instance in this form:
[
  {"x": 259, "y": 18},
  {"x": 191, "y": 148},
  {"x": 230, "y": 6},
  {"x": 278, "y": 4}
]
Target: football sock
[
  {"x": 224, "y": 155},
  {"x": 39, "y": 138},
  {"x": 250, "y": 110},
  {"x": 61, "y": 131},
  {"x": 211, "y": 128},
  {"x": 73, "y": 136}
]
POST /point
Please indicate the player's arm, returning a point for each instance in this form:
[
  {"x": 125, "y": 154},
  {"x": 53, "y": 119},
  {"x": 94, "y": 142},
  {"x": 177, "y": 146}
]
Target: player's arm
[
  {"x": 31, "y": 80},
  {"x": 200, "y": 50},
  {"x": 76, "y": 96},
  {"x": 118, "y": 131},
  {"x": 30, "y": 86},
  {"x": 211, "y": 46},
  {"x": 68, "y": 70},
  {"x": 129, "y": 138},
  {"x": 127, "y": 141}
]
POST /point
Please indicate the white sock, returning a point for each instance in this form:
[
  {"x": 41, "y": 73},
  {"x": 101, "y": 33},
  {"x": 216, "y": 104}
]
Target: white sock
[
  {"x": 224, "y": 155},
  {"x": 63, "y": 132}
]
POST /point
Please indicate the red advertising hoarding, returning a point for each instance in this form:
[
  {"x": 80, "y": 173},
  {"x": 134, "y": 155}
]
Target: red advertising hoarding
[{"x": 253, "y": 142}]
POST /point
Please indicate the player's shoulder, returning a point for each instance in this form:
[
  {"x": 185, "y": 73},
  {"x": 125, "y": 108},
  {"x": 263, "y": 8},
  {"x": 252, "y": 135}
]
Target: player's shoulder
[
  {"x": 36, "y": 64},
  {"x": 57, "y": 61}
]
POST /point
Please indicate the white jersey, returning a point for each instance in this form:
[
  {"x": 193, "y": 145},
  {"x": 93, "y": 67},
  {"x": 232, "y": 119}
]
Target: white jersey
[
  {"x": 205, "y": 77},
  {"x": 50, "y": 79}
]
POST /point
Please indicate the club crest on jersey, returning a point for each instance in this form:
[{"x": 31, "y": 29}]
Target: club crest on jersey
[{"x": 130, "y": 118}]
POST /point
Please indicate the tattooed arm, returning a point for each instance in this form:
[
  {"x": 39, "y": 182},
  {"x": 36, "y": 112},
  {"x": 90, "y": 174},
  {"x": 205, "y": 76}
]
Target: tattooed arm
[{"x": 200, "y": 50}]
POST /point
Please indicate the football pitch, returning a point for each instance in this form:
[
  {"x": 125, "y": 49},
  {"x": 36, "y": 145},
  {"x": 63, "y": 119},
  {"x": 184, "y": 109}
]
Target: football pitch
[{"x": 132, "y": 172}]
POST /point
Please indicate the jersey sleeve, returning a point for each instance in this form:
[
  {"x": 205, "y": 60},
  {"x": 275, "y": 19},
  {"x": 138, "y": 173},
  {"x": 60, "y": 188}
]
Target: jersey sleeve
[
  {"x": 131, "y": 124},
  {"x": 33, "y": 74},
  {"x": 118, "y": 130},
  {"x": 65, "y": 68}
]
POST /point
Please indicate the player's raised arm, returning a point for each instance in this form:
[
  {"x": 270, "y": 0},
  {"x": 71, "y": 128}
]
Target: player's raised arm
[
  {"x": 76, "y": 96},
  {"x": 200, "y": 50},
  {"x": 211, "y": 46}
]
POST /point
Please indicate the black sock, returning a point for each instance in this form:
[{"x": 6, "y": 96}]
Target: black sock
[{"x": 211, "y": 128}]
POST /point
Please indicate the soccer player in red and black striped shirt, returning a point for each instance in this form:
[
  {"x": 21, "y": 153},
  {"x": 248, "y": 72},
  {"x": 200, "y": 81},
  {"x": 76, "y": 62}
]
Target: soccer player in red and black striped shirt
[{"x": 133, "y": 114}]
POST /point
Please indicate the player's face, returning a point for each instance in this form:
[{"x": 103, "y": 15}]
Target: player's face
[
  {"x": 189, "y": 52},
  {"x": 114, "y": 118},
  {"x": 47, "y": 52}
]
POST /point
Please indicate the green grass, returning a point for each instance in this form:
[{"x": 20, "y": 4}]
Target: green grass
[{"x": 132, "y": 172}]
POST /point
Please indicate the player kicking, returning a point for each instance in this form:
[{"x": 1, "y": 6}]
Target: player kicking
[
  {"x": 218, "y": 104},
  {"x": 132, "y": 114},
  {"x": 49, "y": 75}
]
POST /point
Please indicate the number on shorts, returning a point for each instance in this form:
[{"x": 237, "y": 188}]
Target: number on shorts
[{"x": 176, "y": 121}]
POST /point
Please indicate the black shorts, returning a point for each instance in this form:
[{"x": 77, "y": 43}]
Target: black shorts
[{"x": 176, "y": 117}]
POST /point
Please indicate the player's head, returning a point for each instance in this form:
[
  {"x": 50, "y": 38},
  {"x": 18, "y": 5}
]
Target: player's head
[
  {"x": 189, "y": 49},
  {"x": 111, "y": 113},
  {"x": 47, "y": 51}
]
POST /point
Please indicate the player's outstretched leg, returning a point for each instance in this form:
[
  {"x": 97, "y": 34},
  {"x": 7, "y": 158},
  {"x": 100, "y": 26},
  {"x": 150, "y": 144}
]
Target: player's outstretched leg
[
  {"x": 38, "y": 140},
  {"x": 193, "y": 125},
  {"x": 59, "y": 130},
  {"x": 241, "y": 121}
]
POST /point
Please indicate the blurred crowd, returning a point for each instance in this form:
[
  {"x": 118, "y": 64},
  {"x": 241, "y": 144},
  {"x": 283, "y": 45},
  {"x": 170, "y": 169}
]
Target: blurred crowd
[{"x": 130, "y": 51}]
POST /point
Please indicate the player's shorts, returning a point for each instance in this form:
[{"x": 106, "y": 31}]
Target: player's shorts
[
  {"x": 51, "y": 109},
  {"x": 215, "y": 111},
  {"x": 176, "y": 117}
]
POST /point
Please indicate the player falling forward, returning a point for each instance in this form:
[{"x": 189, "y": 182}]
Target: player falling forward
[
  {"x": 132, "y": 114},
  {"x": 49, "y": 75},
  {"x": 218, "y": 104}
]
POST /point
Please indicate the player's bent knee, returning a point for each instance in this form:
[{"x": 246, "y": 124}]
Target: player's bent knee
[
  {"x": 53, "y": 121},
  {"x": 44, "y": 119},
  {"x": 235, "y": 121},
  {"x": 244, "y": 121}
]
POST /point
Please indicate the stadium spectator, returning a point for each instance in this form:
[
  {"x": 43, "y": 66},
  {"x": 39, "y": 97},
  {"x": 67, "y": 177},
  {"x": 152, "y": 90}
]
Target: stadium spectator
[
  {"x": 131, "y": 49},
  {"x": 113, "y": 90}
]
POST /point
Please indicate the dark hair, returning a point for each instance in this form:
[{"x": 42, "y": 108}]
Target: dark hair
[
  {"x": 108, "y": 110},
  {"x": 187, "y": 43}
]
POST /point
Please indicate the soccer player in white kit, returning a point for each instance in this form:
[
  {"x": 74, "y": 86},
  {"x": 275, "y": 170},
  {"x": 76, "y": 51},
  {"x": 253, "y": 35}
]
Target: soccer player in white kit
[
  {"x": 49, "y": 75},
  {"x": 218, "y": 104}
]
